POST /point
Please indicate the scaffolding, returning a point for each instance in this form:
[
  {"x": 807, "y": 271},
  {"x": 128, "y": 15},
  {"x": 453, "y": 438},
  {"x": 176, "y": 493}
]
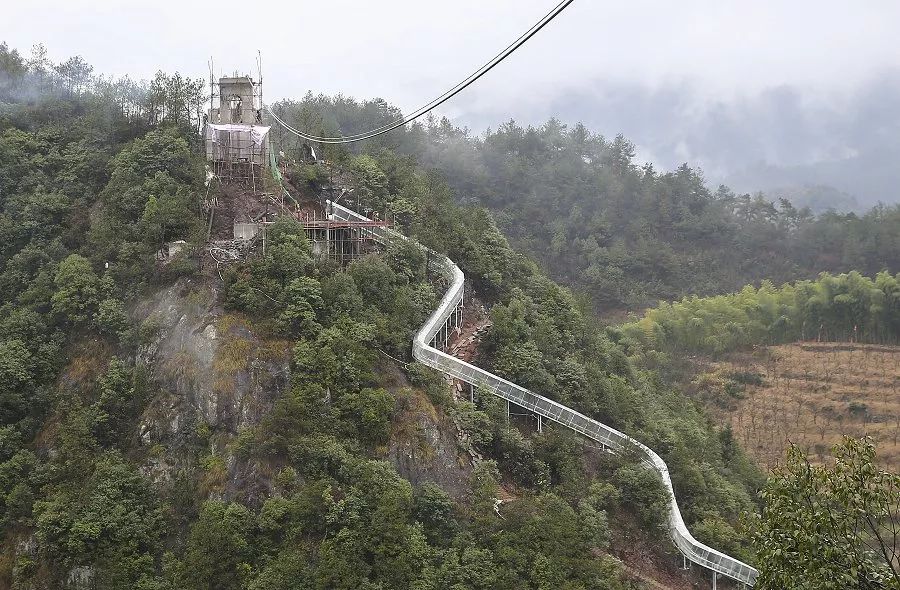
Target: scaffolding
[
  {"x": 236, "y": 141},
  {"x": 342, "y": 240},
  {"x": 235, "y": 99},
  {"x": 237, "y": 153}
]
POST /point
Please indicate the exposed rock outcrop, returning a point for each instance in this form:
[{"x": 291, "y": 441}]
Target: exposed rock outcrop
[
  {"x": 215, "y": 375},
  {"x": 423, "y": 446},
  {"x": 465, "y": 347}
]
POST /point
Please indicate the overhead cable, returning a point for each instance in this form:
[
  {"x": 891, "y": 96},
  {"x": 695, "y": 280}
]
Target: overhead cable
[{"x": 484, "y": 69}]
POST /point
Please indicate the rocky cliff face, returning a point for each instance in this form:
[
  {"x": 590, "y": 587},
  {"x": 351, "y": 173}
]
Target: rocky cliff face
[
  {"x": 424, "y": 447},
  {"x": 213, "y": 365},
  {"x": 216, "y": 377}
]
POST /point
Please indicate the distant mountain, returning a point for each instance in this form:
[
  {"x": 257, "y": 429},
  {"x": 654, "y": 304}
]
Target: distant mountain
[
  {"x": 819, "y": 198},
  {"x": 852, "y": 184}
]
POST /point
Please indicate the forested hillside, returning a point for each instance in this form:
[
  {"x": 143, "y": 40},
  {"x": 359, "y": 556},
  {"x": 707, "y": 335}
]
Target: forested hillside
[
  {"x": 617, "y": 230},
  {"x": 125, "y": 463},
  {"x": 173, "y": 421},
  {"x": 625, "y": 236}
]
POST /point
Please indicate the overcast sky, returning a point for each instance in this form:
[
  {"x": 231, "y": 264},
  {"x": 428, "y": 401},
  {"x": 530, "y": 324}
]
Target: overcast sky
[{"x": 758, "y": 82}]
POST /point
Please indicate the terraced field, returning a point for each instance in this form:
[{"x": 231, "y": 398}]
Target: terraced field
[{"x": 809, "y": 394}]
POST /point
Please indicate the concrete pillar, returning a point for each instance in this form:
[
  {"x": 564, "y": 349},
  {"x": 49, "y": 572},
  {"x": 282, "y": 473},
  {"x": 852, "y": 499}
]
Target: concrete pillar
[
  {"x": 540, "y": 423},
  {"x": 715, "y": 575},
  {"x": 471, "y": 393}
]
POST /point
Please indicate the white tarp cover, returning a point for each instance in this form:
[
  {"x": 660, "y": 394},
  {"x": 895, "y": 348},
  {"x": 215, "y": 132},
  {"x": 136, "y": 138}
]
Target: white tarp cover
[{"x": 236, "y": 143}]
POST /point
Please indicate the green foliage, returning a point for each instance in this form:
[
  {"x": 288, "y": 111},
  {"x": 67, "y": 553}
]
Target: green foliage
[
  {"x": 476, "y": 423},
  {"x": 369, "y": 410},
  {"x": 434, "y": 509},
  {"x": 644, "y": 492},
  {"x": 162, "y": 151},
  {"x": 485, "y": 484},
  {"x": 113, "y": 524},
  {"x": 716, "y": 532},
  {"x": 340, "y": 295},
  {"x": 28, "y": 361},
  {"x": 119, "y": 400},
  {"x": 313, "y": 176},
  {"x": 829, "y": 526},
  {"x": 16, "y": 377},
  {"x": 304, "y": 305},
  {"x": 834, "y": 307},
  {"x": 261, "y": 285},
  {"x": 111, "y": 318},
  {"x": 375, "y": 278},
  {"x": 515, "y": 455},
  {"x": 83, "y": 185},
  {"x": 21, "y": 475},
  {"x": 218, "y": 553},
  {"x": 431, "y": 381},
  {"x": 76, "y": 289},
  {"x": 370, "y": 181},
  {"x": 150, "y": 199},
  {"x": 341, "y": 358}
]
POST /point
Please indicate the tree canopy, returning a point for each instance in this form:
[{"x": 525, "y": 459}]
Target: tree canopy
[{"x": 830, "y": 526}]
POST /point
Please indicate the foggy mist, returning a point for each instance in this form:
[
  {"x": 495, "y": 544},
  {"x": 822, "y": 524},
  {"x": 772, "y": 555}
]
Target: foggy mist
[
  {"x": 777, "y": 138},
  {"x": 760, "y": 96}
]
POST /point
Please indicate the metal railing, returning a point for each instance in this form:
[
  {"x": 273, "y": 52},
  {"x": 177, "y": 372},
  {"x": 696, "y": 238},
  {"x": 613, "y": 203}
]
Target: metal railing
[{"x": 426, "y": 354}]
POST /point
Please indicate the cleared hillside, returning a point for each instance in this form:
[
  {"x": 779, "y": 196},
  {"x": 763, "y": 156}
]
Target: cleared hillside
[{"x": 810, "y": 394}]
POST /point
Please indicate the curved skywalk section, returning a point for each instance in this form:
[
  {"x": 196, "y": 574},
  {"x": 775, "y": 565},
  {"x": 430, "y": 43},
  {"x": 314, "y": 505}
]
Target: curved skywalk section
[{"x": 693, "y": 550}]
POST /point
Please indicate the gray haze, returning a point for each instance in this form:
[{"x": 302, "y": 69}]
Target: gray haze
[{"x": 763, "y": 95}]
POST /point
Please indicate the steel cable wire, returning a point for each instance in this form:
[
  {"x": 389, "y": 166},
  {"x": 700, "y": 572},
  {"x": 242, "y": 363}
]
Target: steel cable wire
[{"x": 472, "y": 78}]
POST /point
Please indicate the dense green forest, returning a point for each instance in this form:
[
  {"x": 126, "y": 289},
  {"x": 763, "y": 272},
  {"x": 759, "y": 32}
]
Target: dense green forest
[
  {"x": 847, "y": 307},
  {"x": 622, "y": 233},
  {"x": 97, "y": 175}
]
